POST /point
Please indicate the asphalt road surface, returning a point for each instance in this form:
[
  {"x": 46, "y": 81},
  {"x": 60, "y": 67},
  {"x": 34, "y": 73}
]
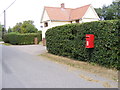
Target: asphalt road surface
[
  {"x": 22, "y": 69},
  {"x": 0, "y": 66}
]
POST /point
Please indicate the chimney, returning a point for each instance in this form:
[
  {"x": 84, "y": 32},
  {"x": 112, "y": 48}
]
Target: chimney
[{"x": 63, "y": 5}]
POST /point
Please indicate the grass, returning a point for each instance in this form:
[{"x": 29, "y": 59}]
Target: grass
[
  {"x": 7, "y": 44},
  {"x": 89, "y": 67},
  {"x": 40, "y": 42}
]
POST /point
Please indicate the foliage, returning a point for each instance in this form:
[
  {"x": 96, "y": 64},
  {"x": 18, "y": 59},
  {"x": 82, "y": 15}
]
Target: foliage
[
  {"x": 21, "y": 39},
  {"x": 69, "y": 40},
  {"x": 0, "y": 31},
  {"x": 10, "y": 30},
  {"x": 109, "y": 12},
  {"x": 25, "y": 27},
  {"x": 39, "y": 32}
]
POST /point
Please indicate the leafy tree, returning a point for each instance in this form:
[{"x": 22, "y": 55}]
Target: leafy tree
[
  {"x": 0, "y": 31},
  {"x": 25, "y": 27},
  {"x": 17, "y": 27},
  {"x": 116, "y": 9},
  {"x": 109, "y": 12},
  {"x": 10, "y": 30},
  {"x": 99, "y": 12}
]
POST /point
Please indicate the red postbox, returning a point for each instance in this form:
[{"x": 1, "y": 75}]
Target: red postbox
[{"x": 90, "y": 41}]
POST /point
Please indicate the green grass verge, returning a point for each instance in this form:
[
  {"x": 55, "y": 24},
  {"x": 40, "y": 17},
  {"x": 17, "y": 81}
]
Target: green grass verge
[{"x": 7, "y": 44}]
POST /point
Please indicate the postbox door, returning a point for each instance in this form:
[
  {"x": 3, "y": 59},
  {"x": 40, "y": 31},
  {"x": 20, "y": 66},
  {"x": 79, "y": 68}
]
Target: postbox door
[{"x": 89, "y": 41}]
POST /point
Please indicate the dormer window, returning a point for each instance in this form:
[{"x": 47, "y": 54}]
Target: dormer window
[
  {"x": 45, "y": 24},
  {"x": 77, "y": 21}
]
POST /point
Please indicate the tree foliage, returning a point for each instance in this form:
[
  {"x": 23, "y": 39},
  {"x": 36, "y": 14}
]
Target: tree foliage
[
  {"x": 109, "y": 12},
  {"x": 10, "y": 30},
  {"x": 24, "y": 27},
  {"x": 0, "y": 27},
  {"x": 0, "y": 31}
]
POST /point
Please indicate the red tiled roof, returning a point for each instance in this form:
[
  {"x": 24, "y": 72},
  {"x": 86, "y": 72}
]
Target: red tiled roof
[
  {"x": 66, "y": 14},
  {"x": 79, "y": 12}
]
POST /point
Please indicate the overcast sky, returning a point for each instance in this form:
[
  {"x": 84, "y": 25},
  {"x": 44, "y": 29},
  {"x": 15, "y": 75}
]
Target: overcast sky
[{"x": 23, "y": 10}]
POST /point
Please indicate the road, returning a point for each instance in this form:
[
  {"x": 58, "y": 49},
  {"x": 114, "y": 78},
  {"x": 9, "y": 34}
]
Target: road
[
  {"x": 22, "y": 69},
  {"x": 0, "y": 66}
]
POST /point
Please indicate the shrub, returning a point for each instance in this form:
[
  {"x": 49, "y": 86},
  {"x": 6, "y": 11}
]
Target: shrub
[
  {"x": 21, "y": 39},
  {"x": 69, "y": 40}
]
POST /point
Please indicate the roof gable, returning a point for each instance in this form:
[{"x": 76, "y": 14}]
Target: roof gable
[
  {"x": 91, "y": 13},
  {"x": 66, "y": 14},
  {"x": 78, "y": 12},
  {"x": 45, "y": 16}
]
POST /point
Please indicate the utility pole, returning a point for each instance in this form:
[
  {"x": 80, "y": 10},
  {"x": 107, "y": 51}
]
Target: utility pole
[
  {"x": 4, "y": 20},
  {"x": 5, "y": 15}
]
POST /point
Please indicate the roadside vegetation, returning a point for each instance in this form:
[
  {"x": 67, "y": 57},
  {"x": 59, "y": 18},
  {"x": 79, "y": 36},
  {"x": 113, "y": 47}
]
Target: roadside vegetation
[
  {"x": 7, "y": 44},
  {"x": 69, "y": 41},
  {"x": 110, "y": 12},
  {"x": 1, "y": 39},
  {"x": 23, "y": 33},
  {"x": 0, "y": 32}
]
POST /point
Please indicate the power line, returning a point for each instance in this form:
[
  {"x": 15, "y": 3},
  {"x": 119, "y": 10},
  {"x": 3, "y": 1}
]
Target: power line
[
  {"x": 5, "y": 14},
  {"x": 10, "y": 5},
  {"x": 7, "y": 8}
]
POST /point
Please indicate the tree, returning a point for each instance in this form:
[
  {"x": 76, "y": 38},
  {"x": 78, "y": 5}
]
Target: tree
[
  {"x": 116, "y": 9},
  {"x": 109, "y": 12},
  {"x": 25, "y": 27},
  {"x": 0, "y": 31},
  {"x": 10, "y": 30},
  {"x": 99, "y": 12},
  {"x": 17, "y": 27}
]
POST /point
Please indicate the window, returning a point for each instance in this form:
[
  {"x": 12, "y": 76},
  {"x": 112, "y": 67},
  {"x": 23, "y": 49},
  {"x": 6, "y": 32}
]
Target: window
[
  {"x": 45, "y": 24},
  {"x": 77, "y": 21}
]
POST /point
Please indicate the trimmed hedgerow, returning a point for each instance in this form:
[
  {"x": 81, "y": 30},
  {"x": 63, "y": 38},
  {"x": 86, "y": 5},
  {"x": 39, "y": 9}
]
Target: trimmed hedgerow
[
  {"x": 21, "y": 39},
  {"x": 69, "y": 40}
]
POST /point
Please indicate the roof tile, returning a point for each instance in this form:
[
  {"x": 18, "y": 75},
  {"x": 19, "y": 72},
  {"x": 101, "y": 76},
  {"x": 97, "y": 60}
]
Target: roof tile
[{"x": 66, "y": 14}]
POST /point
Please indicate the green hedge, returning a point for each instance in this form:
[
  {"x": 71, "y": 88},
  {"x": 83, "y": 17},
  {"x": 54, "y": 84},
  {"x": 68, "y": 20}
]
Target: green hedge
[
  {"x": 69, "y": 40},
  {"x": 21, "y": 39}
]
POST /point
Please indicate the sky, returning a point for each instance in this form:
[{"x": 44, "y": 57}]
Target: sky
[{"x": 23, "y": 10}]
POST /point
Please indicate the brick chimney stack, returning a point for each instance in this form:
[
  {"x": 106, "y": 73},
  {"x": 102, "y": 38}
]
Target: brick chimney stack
[{"x": 63, "y": 5}]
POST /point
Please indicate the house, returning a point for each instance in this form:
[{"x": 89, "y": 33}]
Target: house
[{"x": 56, "y": 16}]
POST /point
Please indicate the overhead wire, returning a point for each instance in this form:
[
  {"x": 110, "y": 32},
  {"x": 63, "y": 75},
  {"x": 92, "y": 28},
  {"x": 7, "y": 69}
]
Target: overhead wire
[
  {"x": 10, "y": 5},
  {"x": 7, "y": 8}
]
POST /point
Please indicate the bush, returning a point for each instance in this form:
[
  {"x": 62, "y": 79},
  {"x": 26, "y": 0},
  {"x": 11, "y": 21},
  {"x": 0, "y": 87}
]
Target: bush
[
  {"x": 69, "y": 40},
  {"x": 21, "y": 39}
]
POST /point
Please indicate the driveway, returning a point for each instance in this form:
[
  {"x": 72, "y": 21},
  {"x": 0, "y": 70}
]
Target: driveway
[
  {"x": 23, "y": 68},
  {"x": 31, "y": 49}
]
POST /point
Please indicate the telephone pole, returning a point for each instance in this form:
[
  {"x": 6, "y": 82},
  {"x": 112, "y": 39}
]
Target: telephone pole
[
  {"x": 5, "y": 15},
  {"x": 4, "y": 20}
]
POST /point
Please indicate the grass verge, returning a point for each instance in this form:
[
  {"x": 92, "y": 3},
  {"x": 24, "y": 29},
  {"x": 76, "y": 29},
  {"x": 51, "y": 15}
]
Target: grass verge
[
  {"x": 7, "y": 44},
  {"x": 92, "y": 68}
]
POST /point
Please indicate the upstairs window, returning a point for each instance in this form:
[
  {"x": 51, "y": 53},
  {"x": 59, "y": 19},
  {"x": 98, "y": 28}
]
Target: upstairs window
[{"x": 45, "y": 24}]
